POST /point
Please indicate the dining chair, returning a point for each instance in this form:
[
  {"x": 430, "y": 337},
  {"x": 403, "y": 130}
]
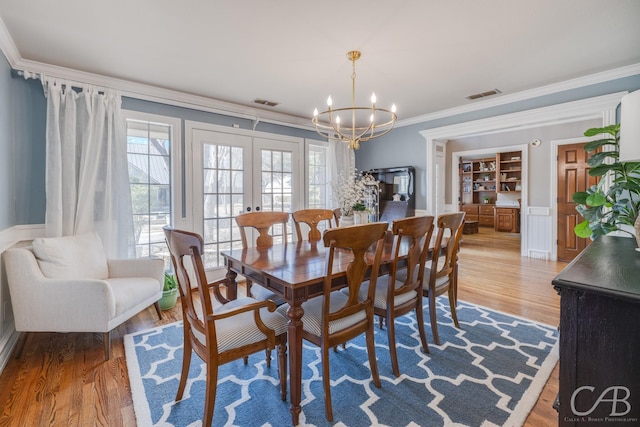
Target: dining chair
[
  {"x": 264, "y": 223},
  {"x": 395, "y": 298},
  {"x": 337, "y": 213},
  {"x": 335, "y": 317},
  {"x": 312, "y": 217},
  {"x": 222, "y": 332},
  {"x": 442, "y": 274}
]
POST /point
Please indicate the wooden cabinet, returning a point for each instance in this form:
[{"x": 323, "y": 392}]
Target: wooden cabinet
[
  {"x": 509, "y": 177},
  {"x": 507, "y": 219},
  {"x": 478, "y": 189},
  {"x": 485, "y": 215},
  {"x": 471, "y": 212},
  {"x": 480, "y": 182},
  {"x": 481, "y": 213},
  {"x": 599, "y": 340}
]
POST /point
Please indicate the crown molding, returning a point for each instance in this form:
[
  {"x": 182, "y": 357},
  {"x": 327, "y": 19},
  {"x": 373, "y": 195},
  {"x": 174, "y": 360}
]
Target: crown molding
[
  {"x": 583, "y": 109},
  {"x": 7, "y": 46},
  {"x": 148, "y": 92},
  {"x": 181, "y": 99},
  {"x": 614, "y": 74}
]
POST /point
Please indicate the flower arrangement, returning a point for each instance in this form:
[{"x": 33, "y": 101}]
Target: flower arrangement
[{"x": 351, "y": 191}]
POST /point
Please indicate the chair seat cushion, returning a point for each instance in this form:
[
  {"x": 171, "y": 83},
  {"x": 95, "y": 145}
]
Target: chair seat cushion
[
  {"x": 261, "y": 293},
  {"x": 440, "y": 281},
  {"x": 71, "y": 257},
  {"x": 312, "y": 318},
  {"x": 241, "y": 329},
  {"x": 380, "y": 298}
]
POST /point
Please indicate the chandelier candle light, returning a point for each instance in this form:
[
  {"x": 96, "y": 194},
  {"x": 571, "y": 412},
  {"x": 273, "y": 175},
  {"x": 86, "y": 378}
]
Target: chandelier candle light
[{"x": 362, "y": 128}]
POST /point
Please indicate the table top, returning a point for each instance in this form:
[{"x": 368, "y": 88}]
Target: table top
[
  {"x": 297, "y": 264},
  {"x": 609, "y": 266}
]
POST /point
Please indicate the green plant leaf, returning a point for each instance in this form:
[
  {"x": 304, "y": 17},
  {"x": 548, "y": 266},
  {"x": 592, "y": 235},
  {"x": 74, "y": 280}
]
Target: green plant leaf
[
  {"x": 611, "y": 130},
  {"x": 598, "y": 158},
  {"x": 580, "y": 197},
  {"x": 596, "y": 199},
  {"x": 594, "y": 145},
  {"x": 600, "y": 170},
  {"x": 582, "y": 230}
]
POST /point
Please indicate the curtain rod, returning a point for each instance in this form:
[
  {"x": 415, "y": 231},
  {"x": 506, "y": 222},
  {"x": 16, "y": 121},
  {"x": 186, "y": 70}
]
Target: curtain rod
[{"x": 26, "y": 74}]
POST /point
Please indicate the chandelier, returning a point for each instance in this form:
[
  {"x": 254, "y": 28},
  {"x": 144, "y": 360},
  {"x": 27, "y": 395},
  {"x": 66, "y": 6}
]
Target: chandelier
[{"x": 366, "y": 122}]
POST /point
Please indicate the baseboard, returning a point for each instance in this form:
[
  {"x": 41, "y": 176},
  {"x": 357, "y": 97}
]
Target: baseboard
[{"x": 7, "y": 345}]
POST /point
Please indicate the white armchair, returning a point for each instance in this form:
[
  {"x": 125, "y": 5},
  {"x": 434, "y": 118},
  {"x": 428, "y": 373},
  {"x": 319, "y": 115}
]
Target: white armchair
[{"x": 67, "y": 284}]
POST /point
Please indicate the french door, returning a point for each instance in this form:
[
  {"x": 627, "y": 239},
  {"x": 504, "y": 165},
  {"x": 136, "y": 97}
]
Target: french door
[{"x": 233, "y": 173}]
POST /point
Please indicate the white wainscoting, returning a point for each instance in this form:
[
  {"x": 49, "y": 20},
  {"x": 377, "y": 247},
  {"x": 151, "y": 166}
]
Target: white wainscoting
[
  {"x": 540, "y": 233},
  {"x": 8, "y": 335}
]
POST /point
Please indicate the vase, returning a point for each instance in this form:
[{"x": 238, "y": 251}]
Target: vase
[
  {"x": 360, "y": 217},
  {"x": 346, "y": 220},
  {"x": 169, "y": 299}
]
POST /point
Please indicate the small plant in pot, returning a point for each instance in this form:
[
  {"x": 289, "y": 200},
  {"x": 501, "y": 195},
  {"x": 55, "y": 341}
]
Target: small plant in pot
[
  {"x": 616, "y": 207},
  {"x": 169, "y": 292}
]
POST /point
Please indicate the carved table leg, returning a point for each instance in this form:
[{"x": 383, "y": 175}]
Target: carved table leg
[
  {"x": 295, "y": 313},
  {"x": 232, "y": 285}
]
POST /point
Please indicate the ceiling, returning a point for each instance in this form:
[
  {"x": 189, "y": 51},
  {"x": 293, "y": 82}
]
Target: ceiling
[{"x": 424, "y": 55}]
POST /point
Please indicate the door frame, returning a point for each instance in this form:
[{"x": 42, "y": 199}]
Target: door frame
[
  {"x": 456, "y": 156},
  {"x": 600, "y": 107},
  {"x": 553, "y": 191}
]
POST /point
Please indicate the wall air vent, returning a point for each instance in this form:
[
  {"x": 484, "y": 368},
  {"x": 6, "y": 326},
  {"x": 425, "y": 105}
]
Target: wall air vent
[
  {"x": 484, "y": 94},
  {"x": 265, "y": 102}
]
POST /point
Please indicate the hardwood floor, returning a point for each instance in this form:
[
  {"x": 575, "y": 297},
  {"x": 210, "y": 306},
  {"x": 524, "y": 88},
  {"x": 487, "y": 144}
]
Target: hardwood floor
[{"x": 63, "y": 380}]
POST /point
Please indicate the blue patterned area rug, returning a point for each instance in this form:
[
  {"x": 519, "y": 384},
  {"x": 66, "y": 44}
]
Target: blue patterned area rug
[{"x": 489, "y": 373}]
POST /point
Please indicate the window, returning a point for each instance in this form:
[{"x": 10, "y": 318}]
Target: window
[
  {"x": 317, "y": 175},
  {"x": 150, "y": 148}
]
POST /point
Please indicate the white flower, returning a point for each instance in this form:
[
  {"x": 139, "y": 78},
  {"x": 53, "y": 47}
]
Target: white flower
[{"x": 352, "y": 190}]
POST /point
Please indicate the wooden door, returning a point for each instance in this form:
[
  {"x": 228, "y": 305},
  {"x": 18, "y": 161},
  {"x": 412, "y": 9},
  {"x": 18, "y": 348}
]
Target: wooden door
[{"x": 573, "y": 175}]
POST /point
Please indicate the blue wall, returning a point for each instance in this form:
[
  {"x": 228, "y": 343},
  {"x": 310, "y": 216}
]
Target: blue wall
[
  {"x": 404, "y": 146},
  {"x": 22, "y": 149},
  {"x": 211, "y": 118},
  {"x": 22, "y": 138}
]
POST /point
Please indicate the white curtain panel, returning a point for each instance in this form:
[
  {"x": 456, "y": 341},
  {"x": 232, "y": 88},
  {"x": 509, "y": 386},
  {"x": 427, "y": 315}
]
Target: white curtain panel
[
  {"x": 87, "y": 186},
  {"x": 341, "y": 159}
]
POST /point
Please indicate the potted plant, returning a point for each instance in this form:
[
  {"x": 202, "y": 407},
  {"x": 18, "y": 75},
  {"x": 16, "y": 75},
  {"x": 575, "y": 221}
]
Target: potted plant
[
  {"x": 169, "y": 292},
  {"x": 614, "y": 207},
  {"x": 351, "y": 190}
]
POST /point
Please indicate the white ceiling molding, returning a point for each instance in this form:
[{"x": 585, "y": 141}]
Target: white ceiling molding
[
  {"x": 165, "y": 96},
  {"x": 545, "y": 116},
  {"x": 7, "y": 45},
  {"x": 144, "y": 91},
  {"x": 602, "y": 107},
  {"x": 617, "y": 73},
  {"x": 172, "y": 97}
]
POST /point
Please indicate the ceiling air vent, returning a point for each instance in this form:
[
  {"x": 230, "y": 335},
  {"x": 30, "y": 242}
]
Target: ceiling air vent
[
  {"x": 265, "y": 102},
  {"x": 484, "y": 94}
]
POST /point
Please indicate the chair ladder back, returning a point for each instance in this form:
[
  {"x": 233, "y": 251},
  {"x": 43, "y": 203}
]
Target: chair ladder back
[
  {"x": 453, "y": 222},
  {"x": 311, "y": 217},
  {"x": 263, "y": 223},
  {"x": 418, "y": 231},
  {"x": 358, "y": 239},
  {"x": 186, "y": 250}
]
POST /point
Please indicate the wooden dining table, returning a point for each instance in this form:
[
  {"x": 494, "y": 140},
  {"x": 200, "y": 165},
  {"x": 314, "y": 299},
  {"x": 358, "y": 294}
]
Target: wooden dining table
[{"x": 295, "y": 270}]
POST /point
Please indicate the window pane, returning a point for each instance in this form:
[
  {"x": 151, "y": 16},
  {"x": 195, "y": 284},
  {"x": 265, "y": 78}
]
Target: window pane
[{"x": 149, "y": 165}]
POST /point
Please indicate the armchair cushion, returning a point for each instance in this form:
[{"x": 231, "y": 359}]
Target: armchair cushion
[{"x": 71, "y": 257}]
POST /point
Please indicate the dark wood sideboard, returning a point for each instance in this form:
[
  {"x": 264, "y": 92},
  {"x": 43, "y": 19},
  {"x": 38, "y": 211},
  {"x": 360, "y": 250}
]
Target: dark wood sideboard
[{"x": 600, "y": 335}]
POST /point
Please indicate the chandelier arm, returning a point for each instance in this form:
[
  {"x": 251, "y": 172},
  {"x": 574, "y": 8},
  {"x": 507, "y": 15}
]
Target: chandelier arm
[{"x": 353, "y": 134}]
